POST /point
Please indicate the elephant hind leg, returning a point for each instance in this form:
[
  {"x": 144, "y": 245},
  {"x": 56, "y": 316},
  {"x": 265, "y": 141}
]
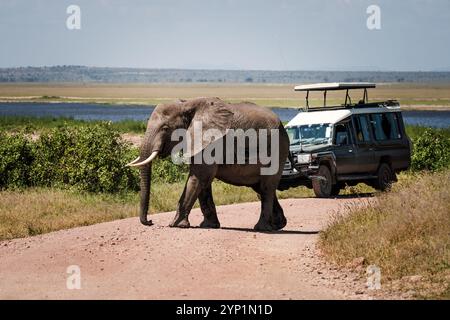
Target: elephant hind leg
[
  {"x": 279, "y": 220},
  {"x": 208, "y": 209},
  {"x": 266, "y": 196}
]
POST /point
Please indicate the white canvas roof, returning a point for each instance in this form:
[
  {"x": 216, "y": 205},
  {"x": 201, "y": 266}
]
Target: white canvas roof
[
  {"x": 334, "y": 86},
  {"x": 333, "y": 116}
]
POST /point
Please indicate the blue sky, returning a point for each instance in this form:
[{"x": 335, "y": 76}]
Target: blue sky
[{"x": 228, "y": 34}]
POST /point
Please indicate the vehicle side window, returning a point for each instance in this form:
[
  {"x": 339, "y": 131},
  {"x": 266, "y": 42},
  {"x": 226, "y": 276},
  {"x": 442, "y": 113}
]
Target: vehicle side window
[
  {"x": 293, "y": 133},
  {"x": 385, "y": 126},
  {"x": 393, "y": 120},
  {"x": 362, "y": 128},
  {"x": 342, "y": 136}
]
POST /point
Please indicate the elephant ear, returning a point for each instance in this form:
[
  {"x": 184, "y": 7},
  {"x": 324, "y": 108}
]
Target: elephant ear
[{"x": 211, "y": 116}]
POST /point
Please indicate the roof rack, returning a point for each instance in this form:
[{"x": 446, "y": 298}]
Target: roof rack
[
  {"x": 388, "y": 103},
  {"x": 335, "y": 86}
]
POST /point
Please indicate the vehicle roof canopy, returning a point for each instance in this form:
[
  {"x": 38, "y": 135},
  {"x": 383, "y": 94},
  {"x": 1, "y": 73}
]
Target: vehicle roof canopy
[
  {"x": 306, "y": 118},
  {"x": 334, "y": 86},
  {"x": 334, "y": 116}
]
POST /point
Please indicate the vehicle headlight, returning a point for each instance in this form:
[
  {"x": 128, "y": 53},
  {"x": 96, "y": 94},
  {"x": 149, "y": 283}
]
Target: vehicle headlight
[{"x": 304, "y": 158}]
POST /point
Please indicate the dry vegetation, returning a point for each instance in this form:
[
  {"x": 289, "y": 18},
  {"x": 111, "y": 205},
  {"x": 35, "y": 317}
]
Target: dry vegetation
[
  {"x": 34, "y": 211},
  {"x": 413, "y": 96},
  {"x": 404, "y": 232}
]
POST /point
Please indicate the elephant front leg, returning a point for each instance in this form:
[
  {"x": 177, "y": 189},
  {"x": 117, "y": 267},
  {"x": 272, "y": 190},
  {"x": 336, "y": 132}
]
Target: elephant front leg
[
  {"x": 187, "y": 200},
  {"x": 208, "y": 209}
]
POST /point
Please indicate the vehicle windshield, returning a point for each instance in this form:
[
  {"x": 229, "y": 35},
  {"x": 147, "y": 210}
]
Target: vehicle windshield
[{"x": 312, "y": 134}]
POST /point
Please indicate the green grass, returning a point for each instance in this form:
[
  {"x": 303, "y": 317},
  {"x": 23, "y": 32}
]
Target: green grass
[
  {"x": 404, "y": 232},
  {"x": 414, "y": 131},
  {"x": 37, "y": 124}
]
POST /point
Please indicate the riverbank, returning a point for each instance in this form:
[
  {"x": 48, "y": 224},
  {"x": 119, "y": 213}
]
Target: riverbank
[{"x": 411, "y": 96}]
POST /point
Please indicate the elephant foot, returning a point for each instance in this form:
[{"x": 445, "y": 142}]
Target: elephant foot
[
  {"x": 180, "y": 223},
  {"x": 279, "y": 223},
  {"x": 214, "y": 224},
  {"x": 146, "y": 222},
  {"x": 263, "y": 226}
]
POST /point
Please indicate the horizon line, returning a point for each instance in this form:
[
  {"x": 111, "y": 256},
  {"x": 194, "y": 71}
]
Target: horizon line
[{"x": 220, "y": 69}]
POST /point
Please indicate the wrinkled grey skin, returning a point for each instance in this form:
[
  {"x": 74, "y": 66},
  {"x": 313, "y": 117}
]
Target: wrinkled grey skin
[{"x": 214, "y": 113}]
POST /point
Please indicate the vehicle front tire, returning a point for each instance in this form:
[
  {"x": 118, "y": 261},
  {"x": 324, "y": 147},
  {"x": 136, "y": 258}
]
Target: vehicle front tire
[
  {"x": 323, "y": 188},
  {"x": 384, "y": 178}
]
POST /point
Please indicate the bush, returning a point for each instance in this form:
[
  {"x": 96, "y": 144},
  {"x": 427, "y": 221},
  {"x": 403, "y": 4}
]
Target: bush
[
  {"x": 90, "y": 158},
  {"x": 87, "y": 158},
  {"x": 431, "y": 151},
  {"x": 415, "y": 131},
  {"x": 16, "y": 158},
  {"x": 164, "y": 170}
]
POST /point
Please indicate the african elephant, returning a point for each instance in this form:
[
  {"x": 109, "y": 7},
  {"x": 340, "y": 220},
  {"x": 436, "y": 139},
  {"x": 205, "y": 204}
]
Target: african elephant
[{"x": 213, "y": 113}]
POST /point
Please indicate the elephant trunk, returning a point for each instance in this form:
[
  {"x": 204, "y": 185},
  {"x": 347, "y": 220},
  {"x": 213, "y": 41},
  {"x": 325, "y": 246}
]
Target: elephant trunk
[
  {"x": 145, "y": 173},
  {"x": 149, "y": 151}
]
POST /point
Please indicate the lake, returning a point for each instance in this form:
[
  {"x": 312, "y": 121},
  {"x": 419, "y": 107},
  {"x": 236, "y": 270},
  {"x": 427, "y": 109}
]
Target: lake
[{"x": 87, "y": 111}]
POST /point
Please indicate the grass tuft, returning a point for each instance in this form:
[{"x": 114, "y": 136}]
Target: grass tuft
[
  {"x": 404, "y": 232},
  {"x": 35, "y": 211}
]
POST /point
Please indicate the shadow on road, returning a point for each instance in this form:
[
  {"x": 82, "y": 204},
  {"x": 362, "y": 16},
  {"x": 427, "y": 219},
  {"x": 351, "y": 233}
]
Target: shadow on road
[
  {"x": 356, "y": 195},
  {"x": 271, "y": 232}
]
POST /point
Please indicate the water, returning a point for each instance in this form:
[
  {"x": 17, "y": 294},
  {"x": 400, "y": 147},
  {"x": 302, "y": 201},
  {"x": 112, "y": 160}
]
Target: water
[
  {"x": 86, "y": 111},
  {"x": 79, "y": 111}
]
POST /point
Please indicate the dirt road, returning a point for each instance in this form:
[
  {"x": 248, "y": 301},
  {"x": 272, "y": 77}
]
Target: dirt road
[{"x": 124, "y": 259}]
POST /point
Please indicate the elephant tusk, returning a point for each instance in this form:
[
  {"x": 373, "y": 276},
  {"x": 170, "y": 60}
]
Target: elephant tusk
[
  {"x": 148, "y": 160},
  {"x": 132, "y": 162}
]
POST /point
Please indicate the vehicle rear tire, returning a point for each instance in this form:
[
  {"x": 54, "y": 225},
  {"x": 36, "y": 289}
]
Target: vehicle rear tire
[
  {"x": 323, "y": 188},
  {"x": 384, "y": 178}
]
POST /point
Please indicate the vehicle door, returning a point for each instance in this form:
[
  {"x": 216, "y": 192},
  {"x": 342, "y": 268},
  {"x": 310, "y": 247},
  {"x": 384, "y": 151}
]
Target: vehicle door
[
  {"x": 389, "y": 140},
  {"x": 404, "y": 160},
  {"x": 365, "y": 161},
  {"x": 343, "y": 148}
]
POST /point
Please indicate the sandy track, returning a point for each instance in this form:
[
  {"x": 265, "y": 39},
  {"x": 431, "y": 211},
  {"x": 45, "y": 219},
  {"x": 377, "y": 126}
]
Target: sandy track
[{"x": 123, "y": 259}]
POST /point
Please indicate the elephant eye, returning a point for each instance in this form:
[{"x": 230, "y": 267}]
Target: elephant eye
[{"x": 165, "y": 128}]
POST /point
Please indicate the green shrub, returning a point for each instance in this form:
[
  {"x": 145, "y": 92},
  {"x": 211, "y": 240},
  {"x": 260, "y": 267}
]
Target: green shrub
[
  {"x": 164, "y": 170},
  {"x": 431, "y": 151},
  {"x": 16, "y": 158},
  {"x": 90, "y": 158},
  {"x": 416, "y": 131}
]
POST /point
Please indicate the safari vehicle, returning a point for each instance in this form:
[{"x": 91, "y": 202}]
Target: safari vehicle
[{"x": 331, "y": 146}]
